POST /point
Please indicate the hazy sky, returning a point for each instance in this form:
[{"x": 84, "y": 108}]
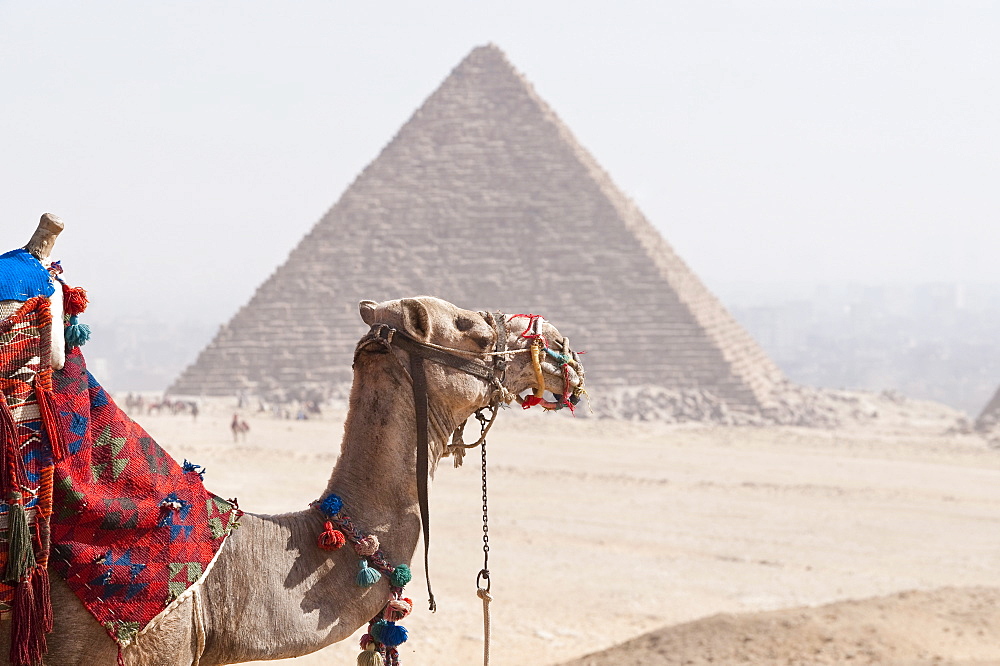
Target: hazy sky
[{"x": 190, "y": 145}]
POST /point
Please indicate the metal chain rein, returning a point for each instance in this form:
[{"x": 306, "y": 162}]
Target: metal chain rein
[{"x": 484, "y": 574}]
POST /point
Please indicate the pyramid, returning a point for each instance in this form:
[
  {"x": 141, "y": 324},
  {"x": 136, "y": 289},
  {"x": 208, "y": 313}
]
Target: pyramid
[
  {"x": 989, "y": 418},
  {"x": 484, "y": 198}
]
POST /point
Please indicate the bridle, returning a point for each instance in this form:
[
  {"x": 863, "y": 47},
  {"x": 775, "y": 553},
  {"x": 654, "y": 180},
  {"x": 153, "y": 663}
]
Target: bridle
[{"x": 381, "y": 338}]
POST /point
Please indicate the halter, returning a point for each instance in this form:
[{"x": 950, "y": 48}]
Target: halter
[{"x": 381, "y": 338}]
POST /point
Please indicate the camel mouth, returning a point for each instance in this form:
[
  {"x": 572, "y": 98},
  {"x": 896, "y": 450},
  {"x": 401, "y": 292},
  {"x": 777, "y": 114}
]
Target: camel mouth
[
  {"x": 556, "y": 367},
  {"x": 558, "y": 383},
  {"x": 561, "y": 375}
]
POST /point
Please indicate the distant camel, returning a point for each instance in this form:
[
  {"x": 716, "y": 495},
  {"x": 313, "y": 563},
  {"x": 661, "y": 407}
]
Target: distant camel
[{"x": 239, "y": 427}]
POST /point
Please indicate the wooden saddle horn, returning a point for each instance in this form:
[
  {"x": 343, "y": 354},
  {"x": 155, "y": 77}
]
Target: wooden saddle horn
[{"x": 44, "y": 238}]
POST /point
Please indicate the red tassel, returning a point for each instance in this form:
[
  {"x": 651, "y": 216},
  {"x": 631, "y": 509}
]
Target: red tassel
[
  {"x": 50, "y": 419},
  {"x": 330, "y": 538},
  {"x": 121, "y": 659},
  {"x": 43, "y": 600},
  {"x": 27, "y": 640},
  {"x": 74, "y": 300}
]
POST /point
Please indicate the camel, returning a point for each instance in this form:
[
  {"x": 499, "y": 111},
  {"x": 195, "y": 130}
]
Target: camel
[{"x": 272, "y": 592}]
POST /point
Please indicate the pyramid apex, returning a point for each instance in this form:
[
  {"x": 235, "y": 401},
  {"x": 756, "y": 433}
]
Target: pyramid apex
[
  {"x": 485, "y": 56},
  {"x": 489, "y": 48}
]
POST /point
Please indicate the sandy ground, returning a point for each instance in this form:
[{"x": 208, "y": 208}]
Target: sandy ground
[
  {"x": 944, "y": 626},
  {"x": 602, "y": 531}
]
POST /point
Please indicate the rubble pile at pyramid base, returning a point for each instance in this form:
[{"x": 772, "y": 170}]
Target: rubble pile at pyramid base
[
  {"x": 794, "y": 406},
  {"x": 800, "y": 406}
]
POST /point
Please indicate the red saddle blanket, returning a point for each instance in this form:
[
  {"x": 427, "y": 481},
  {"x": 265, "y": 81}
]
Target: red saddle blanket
[{"x": 131, "y": 530}]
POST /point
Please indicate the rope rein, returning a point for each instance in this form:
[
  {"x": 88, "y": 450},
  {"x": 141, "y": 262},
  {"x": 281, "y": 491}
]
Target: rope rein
[{"x": 468, "y": 352}]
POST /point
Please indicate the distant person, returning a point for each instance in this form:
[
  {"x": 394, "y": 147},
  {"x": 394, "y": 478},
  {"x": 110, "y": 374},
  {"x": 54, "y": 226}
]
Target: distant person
[{"x": 239, "y": 427}]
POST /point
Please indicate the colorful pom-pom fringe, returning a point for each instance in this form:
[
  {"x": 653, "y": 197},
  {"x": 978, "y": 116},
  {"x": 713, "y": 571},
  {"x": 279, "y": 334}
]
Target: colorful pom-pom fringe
[
  {"x": 331, "y": 505},
  {"x": 331, "y": 538},
  {"x": 366, "y": 546},
  {"x": 77, "y": 334},
  {"x": 367, "y": 576},
  {"x": 370, "y": 657},
  {"x": 397, "y": 609},
  {"x": 389, "y": 633},
  {"x": 189, "y": 466},
  {"x": 400, "y": 576},
  {"x": 74, "y": 300}
]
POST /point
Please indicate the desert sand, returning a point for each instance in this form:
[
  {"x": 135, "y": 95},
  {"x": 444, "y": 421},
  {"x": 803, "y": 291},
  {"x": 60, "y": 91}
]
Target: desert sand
[
  {"x": 944, "y": 626},
  {"x": 602, "y": 531}
]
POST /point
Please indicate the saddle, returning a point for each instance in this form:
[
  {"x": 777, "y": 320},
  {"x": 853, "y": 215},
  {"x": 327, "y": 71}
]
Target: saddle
[{"x": 84, "y": 491}]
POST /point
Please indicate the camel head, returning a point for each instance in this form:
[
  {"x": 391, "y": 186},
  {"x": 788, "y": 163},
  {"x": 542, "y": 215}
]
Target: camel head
[{"x": 531, "y": 357}]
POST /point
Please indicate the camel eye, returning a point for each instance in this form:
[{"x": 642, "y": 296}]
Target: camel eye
[{"x": 464, "y": 323}]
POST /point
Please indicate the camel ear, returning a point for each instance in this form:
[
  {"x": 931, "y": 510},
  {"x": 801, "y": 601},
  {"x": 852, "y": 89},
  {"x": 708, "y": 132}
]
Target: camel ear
[
  {"x": 416, "y": 318},
  {"x": 367, "y": 309}
]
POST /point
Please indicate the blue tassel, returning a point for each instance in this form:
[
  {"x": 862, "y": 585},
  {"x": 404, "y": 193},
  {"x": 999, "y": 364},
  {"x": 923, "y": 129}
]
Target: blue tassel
[
  {"x": 392, "y": 634},
  {"x": 367, "y": 576},
  {"x": 77, "y": 334},
  {"x": 192, "y": 467}
]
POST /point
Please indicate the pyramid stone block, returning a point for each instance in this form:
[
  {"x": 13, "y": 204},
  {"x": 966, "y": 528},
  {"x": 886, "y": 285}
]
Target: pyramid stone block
[{"x": 485, "y": 198}]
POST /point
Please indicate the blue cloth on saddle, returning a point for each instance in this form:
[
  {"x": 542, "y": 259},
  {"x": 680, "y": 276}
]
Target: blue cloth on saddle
[{"x": 22, "y": 277}]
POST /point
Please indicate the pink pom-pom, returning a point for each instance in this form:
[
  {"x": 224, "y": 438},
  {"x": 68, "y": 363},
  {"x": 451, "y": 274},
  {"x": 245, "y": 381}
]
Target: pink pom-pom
[
  {"x": 366, "y": 546},
  {"x": 397, "y": 609}
]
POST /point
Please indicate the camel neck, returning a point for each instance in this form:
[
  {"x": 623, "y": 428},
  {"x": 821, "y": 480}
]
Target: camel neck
[
  {"x": 376, "y": 472},
  {"x": 375, "y": 477}
]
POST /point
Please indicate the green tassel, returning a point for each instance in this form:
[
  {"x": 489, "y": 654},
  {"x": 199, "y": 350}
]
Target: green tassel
[
  {"x": 367, "y": 576},
  {"x": 77, "y": 334},
  {"x": 20, "y": 554}
]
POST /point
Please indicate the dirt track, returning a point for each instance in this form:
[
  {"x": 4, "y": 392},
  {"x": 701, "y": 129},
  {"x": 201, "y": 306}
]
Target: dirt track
[{"x": 602, "y": 531}]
